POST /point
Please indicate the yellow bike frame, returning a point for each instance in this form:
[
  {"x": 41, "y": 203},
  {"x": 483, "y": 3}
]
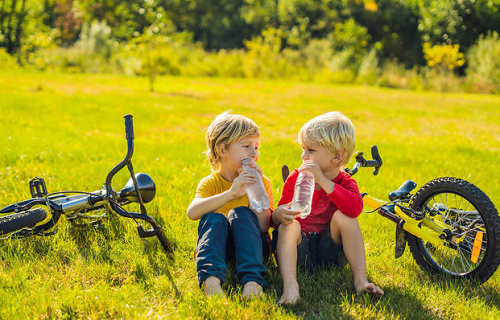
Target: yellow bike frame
[{"x": 426, "y": 229}]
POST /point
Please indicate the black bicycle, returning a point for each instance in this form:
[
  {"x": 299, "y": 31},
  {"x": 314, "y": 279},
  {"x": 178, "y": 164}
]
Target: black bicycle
[{"x": 82, "y": 209}]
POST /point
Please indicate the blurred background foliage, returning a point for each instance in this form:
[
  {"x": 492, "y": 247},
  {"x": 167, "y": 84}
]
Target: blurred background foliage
[{"x": 446, "y": 45}]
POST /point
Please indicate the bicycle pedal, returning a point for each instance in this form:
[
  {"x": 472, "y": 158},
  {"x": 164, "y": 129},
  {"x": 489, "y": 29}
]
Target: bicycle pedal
[
  {"x": 145, "y": 233},
  {"x": 400, "y": 246},
  {"x": 38, "y": 188}
]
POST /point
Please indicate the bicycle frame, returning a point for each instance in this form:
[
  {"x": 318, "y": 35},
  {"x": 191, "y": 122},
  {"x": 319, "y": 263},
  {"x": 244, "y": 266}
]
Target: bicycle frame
[
  {"x": 408, "y": 223},
  {"x": 433, "y": 231}
]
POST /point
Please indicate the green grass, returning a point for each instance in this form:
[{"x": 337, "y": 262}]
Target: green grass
[{"x": 68, "y": 129}]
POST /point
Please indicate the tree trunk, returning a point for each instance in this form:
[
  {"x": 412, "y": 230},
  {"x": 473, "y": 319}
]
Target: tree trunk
[
  {"x": 2, "y": 17},
  {"x": 19, "y": 29},
  {"x": 276, "y": 14},
  {"x": 8, "y": 35}
]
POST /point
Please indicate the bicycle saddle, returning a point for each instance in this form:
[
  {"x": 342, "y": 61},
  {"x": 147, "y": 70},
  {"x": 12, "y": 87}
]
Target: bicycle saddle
[{"x": 403, "y": 191}]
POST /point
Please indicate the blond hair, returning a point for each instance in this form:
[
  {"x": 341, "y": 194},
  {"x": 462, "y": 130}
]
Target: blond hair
[
  {"x": 332, "y": 130},
  {"x": 226, "y": 129}
]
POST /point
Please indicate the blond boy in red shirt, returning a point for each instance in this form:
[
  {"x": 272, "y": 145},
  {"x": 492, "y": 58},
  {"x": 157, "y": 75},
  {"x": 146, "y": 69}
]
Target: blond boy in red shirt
[{"x": 330, "y": 234}]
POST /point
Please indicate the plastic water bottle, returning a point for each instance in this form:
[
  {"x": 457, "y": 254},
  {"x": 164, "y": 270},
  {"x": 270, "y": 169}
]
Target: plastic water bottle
[
  {"x": 303, "y": 194},
  {"x": 257, "y": 196}
]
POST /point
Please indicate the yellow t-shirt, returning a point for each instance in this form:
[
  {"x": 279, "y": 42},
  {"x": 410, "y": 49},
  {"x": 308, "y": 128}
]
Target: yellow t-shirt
[{"x": 215, "y": 184}]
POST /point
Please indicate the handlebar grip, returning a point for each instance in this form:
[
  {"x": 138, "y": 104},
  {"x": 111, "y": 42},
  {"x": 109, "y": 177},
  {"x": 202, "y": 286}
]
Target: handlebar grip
[
  {"x": 129, "y": 126},
  {"x": 371, "y": 163},
  {"x": 375, "y": 154}
]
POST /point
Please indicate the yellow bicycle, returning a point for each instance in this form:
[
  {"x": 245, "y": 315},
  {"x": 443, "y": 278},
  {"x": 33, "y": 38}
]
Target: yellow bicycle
[{"x": 450, "y": 225}]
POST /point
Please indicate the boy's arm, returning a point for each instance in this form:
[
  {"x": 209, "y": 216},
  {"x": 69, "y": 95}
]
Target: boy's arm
[
  {"x": 199, "y": 206},
  {"x": 347, "y": 198},
  {"x": 282, "y": 213}
]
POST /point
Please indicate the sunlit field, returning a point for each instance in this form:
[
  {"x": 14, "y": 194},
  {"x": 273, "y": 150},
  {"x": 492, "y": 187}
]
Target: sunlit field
[{"x": 69, "y": 130}]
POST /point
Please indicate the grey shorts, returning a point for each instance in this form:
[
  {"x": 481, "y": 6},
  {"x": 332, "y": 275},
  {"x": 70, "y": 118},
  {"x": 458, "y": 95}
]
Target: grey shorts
[{"x": 316, "y": 249}]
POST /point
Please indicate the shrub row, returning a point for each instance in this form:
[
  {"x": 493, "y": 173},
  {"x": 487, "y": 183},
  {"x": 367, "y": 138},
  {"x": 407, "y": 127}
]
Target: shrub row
[{"x": 263, "y": 57}]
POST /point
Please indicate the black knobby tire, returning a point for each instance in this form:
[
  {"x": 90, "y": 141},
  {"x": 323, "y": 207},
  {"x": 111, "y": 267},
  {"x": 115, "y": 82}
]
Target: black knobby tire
[
  {"x": 471, "y": 213},
  {"x": 21, "y": 220}
]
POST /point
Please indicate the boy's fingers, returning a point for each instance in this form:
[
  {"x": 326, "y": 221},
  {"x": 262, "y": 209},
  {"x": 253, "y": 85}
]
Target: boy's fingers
[
  {"x": 288, "y": 205},
  {"x": 292, "y": 215}
]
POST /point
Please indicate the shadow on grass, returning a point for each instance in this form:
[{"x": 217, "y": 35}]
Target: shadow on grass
[
  {"x": 330, "y": 294},
  {"x": 112, "y": 227},
  {"x": 467, "y": 289}
]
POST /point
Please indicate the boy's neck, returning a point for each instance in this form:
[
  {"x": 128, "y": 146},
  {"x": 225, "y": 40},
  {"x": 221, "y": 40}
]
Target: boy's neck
[
  {"x": 332, "y": 173},
  {"x": 228, "y": 174}
]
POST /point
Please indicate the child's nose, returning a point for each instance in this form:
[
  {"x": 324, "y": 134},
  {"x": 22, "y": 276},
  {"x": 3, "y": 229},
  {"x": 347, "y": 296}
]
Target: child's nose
[{"x": 304, "y": 156}]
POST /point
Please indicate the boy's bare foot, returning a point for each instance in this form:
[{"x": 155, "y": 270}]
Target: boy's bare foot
[
  {"x": 252, "y": 289},
  {"x": 291, "y": 294},
  {"x": 211, "y": 287},
  {"x": 368, "y": 287}
]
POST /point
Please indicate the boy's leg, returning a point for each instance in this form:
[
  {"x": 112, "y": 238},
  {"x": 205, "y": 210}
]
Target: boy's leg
[
  {"x": 346, "y": 231},
  {"x": 211, "y": 267},
  {"x": 289, "y": 238},
  {"x": 248, "y": 250}
]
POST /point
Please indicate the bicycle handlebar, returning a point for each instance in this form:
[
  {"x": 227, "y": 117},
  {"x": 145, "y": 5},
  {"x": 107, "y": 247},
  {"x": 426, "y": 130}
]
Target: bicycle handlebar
[
  {"x": 129, "y": 133},
  {"x": 362, "y": 162},
  {"x": 129, "y": 127}
]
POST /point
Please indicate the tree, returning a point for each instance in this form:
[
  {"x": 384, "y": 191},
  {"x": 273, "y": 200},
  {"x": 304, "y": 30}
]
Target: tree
[
  {"x": 12, "y": 19},
  {"x": 67, "y": 21}
]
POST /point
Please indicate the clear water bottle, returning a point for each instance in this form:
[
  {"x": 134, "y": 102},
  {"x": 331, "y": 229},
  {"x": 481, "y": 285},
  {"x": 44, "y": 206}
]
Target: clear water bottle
[
  {"x": 303, "y": 194},
  {"x": 257, "y": 196}
]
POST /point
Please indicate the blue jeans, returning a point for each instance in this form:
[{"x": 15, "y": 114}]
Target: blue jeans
[{"x": 216, "y": 237}]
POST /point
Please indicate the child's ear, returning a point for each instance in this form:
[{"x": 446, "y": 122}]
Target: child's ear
[
  {"x": 339, "y": 155},
  {"x": 221, "y": 150}
]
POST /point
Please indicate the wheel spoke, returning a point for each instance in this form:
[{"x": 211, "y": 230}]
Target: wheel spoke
[{"x": 460, "y": 215}]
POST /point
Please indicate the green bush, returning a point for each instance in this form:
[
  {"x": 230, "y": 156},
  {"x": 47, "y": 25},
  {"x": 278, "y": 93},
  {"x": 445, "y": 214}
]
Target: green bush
[
  {"x": 95, "y": 39},
  {"x": 6, "y": 60},
  {"x": 394, "y": 75},
  {"x": 368, "y": 70},
  {"x": 483, "y": 73},
  {"x": 436, "y": 79},
  {"x": 263, "y": 58},
  {"x": 317, "y": 53}
]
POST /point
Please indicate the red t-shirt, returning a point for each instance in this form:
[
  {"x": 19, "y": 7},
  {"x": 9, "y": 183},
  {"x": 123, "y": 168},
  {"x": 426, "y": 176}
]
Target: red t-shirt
[{"x": 345, "y": 197}]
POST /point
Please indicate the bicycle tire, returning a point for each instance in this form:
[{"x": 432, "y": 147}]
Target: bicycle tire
[
  {"x": 21, "y": 220},
  {"x": 483, "y": 218}
]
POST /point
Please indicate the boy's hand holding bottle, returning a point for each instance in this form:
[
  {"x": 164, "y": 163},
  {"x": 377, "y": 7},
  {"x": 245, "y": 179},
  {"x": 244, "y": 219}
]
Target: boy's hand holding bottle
[
  {"x": 238, "y": 188},
  {"x": 319, "y": 177},
  {"x": 284, "y": 214},
  {"x": 257, "y": 196}
]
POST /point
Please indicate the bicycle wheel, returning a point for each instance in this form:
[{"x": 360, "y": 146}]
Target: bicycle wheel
[
  {"x": 21, "y": 220},
  {"x": 471, "y": 223}
]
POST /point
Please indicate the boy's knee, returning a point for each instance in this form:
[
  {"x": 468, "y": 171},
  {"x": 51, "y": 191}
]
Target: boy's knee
[
  {"x": 243, "y": 214},
  {"x": 214, "y": 219},
  {"x": 293, "y": 227},
  {"x": 339, "y": 218}
]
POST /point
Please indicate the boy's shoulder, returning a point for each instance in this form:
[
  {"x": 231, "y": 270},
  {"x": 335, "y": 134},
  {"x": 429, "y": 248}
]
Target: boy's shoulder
[
  {"x": 213, "y": 177},
  {"x": 211, "y": 185},
  {"x": 344, "y": 179}
]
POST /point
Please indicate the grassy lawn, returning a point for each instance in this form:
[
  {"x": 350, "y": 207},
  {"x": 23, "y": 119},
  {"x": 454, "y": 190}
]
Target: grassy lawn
[{"x": 69, "y": 130}]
